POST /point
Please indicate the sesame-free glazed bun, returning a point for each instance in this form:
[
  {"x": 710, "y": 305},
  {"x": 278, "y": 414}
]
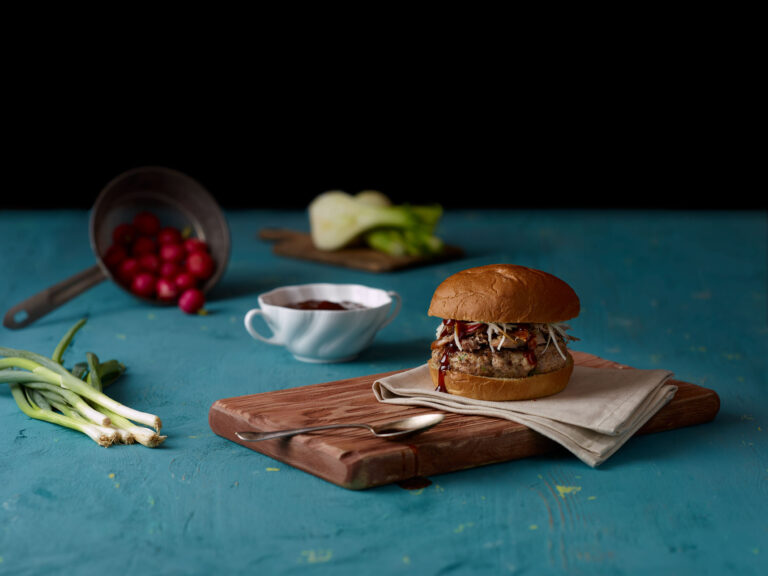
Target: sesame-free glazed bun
[
  {"x": 504, "y": 389},
  {"x": 504, "y": 293}
]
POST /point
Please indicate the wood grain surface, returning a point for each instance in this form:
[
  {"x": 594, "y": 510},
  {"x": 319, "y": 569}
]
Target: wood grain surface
[
  {"x": 355, "y": 459},
  {"x": 294, "y": 244}
]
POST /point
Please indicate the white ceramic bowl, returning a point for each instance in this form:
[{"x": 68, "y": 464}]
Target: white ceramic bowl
[{"x": 324, "y": 335}]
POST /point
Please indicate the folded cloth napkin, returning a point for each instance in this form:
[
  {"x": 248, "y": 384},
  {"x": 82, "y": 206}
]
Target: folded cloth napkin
[{"x": 599, "y": 410}]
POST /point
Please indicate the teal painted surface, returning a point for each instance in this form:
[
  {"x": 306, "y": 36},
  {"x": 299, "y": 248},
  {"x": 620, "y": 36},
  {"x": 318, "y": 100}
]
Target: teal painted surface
[{"x": 675, "y": 290}]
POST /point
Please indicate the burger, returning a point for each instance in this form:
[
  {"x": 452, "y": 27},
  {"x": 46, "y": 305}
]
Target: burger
[{"x": 502, "y": 334}]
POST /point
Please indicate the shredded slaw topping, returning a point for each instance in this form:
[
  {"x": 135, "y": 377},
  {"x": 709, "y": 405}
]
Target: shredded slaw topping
[{"x": 496, "y": 329}]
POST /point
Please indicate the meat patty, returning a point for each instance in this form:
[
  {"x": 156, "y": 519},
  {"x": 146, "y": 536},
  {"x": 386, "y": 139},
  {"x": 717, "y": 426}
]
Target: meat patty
[{"x": 520, "y": 352}]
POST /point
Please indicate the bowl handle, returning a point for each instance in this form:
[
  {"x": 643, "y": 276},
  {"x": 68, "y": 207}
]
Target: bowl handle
[
  {"x": 395, "y": 311},
  {"x": 48, "y": 300},
  {"x": 252, "y": 331}
]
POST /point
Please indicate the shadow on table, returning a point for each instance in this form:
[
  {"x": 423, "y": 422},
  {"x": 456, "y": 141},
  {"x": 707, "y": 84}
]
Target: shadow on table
[{"x": 725, "y": 430}]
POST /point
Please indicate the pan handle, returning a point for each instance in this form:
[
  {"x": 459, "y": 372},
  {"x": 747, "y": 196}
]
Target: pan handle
[{"x": 51, "y": 298}]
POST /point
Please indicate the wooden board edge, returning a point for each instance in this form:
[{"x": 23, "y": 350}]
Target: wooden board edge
[
  {"x": 358, "y": 258},
  {"x": 349, "y": 474}
]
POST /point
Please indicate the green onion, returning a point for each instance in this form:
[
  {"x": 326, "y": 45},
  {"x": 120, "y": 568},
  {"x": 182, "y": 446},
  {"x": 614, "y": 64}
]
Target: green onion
[
  {"x": 64, "y": 342},
  {"x": 34, "y": 411},
  {"x": 93, "y": 371},
  {"x": 53, "y": 373},
  {"x": 44, "y": 389}
]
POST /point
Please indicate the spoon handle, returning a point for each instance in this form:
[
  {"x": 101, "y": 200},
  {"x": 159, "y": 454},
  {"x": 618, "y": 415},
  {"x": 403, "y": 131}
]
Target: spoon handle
[{"x": 257, "y": 436}]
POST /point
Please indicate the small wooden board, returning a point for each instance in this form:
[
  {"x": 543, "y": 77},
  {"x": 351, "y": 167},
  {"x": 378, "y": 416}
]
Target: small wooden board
[
  {"x": 355, "y": 459},
  {"x": 293, "y": 244}
]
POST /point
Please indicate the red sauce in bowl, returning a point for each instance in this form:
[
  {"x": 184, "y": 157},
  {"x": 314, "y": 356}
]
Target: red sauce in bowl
[{"x": 324, "y": 305}]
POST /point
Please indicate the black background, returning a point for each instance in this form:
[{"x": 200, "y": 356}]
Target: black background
[
  {"x": 591, "y": 132},
  {"x": 479, "y": 166}
]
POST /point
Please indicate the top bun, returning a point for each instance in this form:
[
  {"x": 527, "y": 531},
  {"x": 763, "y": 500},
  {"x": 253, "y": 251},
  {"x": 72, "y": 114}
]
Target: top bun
[{"x": 504, "y": 293}]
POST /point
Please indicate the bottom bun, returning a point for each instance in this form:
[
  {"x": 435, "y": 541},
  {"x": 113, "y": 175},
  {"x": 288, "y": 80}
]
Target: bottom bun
[{"x": 501, "y": 389}]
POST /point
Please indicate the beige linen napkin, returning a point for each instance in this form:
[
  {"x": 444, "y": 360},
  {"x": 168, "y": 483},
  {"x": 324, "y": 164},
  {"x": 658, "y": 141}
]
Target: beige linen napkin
[{"x": 599, "y": 410}]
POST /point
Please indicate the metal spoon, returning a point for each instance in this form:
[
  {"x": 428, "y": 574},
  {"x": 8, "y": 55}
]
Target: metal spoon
[{"x": 385, "y": 430}]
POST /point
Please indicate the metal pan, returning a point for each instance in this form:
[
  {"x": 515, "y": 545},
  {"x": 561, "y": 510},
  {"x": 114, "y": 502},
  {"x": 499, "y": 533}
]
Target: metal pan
[{"x": 177, "y": 199}]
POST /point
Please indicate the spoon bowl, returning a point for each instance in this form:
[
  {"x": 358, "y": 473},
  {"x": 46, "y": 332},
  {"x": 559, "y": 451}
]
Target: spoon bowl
[{"x": 395, "y": 429}]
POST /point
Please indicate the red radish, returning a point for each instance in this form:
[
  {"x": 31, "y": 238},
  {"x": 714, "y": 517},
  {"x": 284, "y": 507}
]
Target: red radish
[
  {"x": 195, "y": 245},
  {"x": 143, "y": 284},
  {"x": 200, "y": 265},
  {"x": 114, "y": 255},
  {"x": 149, "y": 262},
  {"x": 172, "y": 252},
  {"x": 123, "y": 234},
  {"x": 169, "y": 235},
  {"x": 169, "y": 269},
  {"x": 146, "y": 223},
  {"x": 127, "y": 269},
  {"x": 155, "y": 261},
  {"x": 167, "y": 291},
  {"x": 185, "y": 281},
  {"x": 143, "y": 245},
  {"x": 191, "y": 300}
]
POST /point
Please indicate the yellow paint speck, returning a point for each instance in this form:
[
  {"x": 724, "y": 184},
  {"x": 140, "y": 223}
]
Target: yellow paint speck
[
  {"x": 563, "y": 490},
  {"x": 193, "y": 436},
  {"x": 461, "y": 527},
  {"x": 120, "y": 336},
  {"x": 406, "y": 559},
  {"x": 150, "y": 316},
  {"x": 151, "y": 501},
  {"x": 533, "y": 527},
  {"x": 111, "y": 474},
  {"x": 316, "y": 556},
  {"x": 273, "y": 469},
  {"x": 117, "y": 484},
  {"x": 755, "y": 551},
  {"x": 592, "y": 498}
]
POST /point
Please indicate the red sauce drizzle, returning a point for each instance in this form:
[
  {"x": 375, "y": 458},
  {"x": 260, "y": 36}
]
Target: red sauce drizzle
[
  {"x": 530, "y": 341},
  {"x": 463, "y": 329}
]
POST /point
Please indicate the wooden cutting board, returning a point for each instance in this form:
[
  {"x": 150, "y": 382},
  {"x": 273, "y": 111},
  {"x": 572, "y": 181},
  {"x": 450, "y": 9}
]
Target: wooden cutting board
[
  {"x": 293, "y": 244},
  {"x": 355, "y": 459}
]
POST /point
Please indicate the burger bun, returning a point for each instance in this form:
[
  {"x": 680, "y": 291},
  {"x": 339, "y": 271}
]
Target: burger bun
[{"x": 504, "y": 293}]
